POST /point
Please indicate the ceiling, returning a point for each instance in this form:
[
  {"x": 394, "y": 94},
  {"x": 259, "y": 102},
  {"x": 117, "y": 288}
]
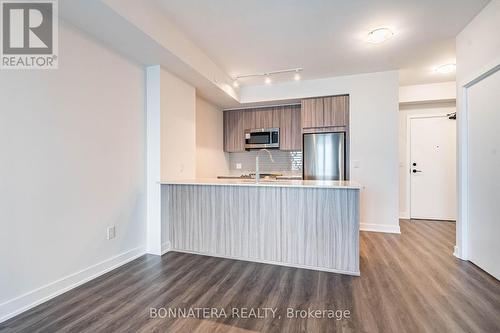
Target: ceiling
[{"x": 325, "y": 37}]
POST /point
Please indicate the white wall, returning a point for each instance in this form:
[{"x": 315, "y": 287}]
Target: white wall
[
  {"x": 478, "y": 44},
  {"x": 404, "y": 113},
  {"x": 154, "y": 236},
  {"x": 478, "y": 50},
  {"x": 374, "y": 136},
  {"x": 178, "y": 128},
  {"x": 174, "y": 101},
  {"x": 72, "y": 163},
  {"x": 432, "y": 92},
  {"x": 211, "y": 160}
]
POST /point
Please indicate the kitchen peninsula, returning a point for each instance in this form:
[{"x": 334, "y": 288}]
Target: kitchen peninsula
[{"x": 298, "y": 223}]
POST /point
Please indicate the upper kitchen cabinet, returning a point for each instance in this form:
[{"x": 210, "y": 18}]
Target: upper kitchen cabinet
[
  {"x": 290, "y": 128},
  {"x": 260, "y": 118},
  {"x": 325, "y": 112},
  {"x": 286, "y": 118},
  {"x": 234, "y": 131},
  {"x": 312, "y": 113},
  {"x": 263, "y": 118},
  {"x": 336, "y": 111}
]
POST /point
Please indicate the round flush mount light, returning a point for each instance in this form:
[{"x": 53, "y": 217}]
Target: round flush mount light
[
  {"x": 445, "y": 69},
  {"x": 379, "y": 35}
]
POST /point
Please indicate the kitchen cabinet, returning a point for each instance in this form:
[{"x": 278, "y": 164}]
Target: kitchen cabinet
[
  {"x": 290, "y": 128},
  {"x": 260, "y": 118},
  {"x": 312, "y": 112},
  {"x": 263, "y": 118},
  {"x": 286, "y": 118},
  {"x": 234, "y": 131},
  {"x": 249, "y": 119},
  {"x": 325, "y": 112},
  {"x": 336, "y": 111}
]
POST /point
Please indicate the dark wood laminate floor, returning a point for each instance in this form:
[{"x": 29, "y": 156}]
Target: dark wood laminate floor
[{"x": 409, "y": 283}]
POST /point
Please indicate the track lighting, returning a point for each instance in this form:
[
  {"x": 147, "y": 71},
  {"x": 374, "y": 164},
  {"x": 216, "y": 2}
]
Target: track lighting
[{"x": 267, "y": 76}]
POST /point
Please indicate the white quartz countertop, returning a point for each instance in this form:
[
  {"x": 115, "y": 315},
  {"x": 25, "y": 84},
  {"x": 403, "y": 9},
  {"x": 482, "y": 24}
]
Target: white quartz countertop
[{"x": 270, "y": 183}]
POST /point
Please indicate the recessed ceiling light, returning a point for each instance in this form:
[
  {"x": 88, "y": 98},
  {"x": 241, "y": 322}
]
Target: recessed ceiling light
[
  {"x": 236, "y": 84},
  {"x": 267, "y": 80},
  {"x": 296, "y": 77},
  {"x": 445, "y": 69},
  {"x": 379, "y": 35}
]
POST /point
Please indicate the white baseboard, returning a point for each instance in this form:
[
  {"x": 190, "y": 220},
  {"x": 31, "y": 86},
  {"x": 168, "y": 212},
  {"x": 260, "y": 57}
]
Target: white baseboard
[
  {"x": 456, "y": 252},
  {"x": 24, "y": 302},
  {"x": 388, "y": 228},
  {"x": 165, "y": 247}
]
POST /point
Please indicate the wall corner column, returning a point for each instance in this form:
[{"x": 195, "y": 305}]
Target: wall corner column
[{"x": 153, "y": 160}]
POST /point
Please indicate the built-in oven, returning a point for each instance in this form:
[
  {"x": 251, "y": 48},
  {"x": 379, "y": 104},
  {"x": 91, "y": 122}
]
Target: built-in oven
[{"x": 258, "y": 138}]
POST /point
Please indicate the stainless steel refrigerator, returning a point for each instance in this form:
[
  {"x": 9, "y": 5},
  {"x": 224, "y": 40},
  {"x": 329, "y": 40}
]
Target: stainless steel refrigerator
[{"x": 324, "y": 156}]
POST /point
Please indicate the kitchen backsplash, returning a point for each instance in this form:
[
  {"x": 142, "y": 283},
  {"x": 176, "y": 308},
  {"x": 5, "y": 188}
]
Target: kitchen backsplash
[{"x": 286, "y": 162}]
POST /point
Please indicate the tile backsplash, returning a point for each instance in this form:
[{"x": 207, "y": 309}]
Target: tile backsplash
[{"x": 285, "y": 162}]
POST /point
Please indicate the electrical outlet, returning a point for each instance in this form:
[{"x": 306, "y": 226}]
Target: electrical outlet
[
  {"x": 238, "y": 166},
  {"x": 111, "y": 232}
]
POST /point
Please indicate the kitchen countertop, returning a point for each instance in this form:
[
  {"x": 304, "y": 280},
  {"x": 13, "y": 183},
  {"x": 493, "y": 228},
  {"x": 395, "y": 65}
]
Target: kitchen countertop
[{"x": 269, "y": 183}]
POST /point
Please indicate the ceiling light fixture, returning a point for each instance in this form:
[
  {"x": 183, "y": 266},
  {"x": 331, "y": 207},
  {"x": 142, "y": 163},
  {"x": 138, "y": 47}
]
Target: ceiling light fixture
[
  {"x": 445, "y": 69},
  {"x": 379, "y": 35},
  {"x": 268, "y": 75}
]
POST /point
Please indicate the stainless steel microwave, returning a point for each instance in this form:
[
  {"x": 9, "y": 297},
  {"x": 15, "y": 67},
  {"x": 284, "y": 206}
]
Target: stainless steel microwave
[{"x": 259, "y": 138}]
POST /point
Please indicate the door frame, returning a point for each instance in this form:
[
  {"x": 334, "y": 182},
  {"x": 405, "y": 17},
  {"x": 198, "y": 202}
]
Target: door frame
[
  {"x": 461, "y": 249},
  {"x": 408, "y": 152}
]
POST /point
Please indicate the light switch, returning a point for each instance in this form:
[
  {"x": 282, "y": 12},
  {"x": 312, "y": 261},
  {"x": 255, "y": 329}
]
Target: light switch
[
  {"x": 238, "y": 166},
  {"x": 356, "y": 164}
]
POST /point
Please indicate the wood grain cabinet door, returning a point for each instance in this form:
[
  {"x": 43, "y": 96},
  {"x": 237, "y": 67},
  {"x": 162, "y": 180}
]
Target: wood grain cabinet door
[
  {"x": 336, "y": 111},
  {"x": 234, "y": 136},
  {"x": 263, "y": 118},
  {"x": 296, "y": 129},
  {"x": 290, "y": 128},
  {"x": 249, "y": 120},
  {"x": 312, "y": 112}
]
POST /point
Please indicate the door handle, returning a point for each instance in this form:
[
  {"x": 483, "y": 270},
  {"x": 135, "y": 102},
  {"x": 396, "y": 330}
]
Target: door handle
[{"x": 415, "y": 170}]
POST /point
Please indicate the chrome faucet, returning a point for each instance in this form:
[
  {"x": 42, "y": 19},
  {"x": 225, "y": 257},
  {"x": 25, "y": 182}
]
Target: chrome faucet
[{"x": 257, "y": 172}]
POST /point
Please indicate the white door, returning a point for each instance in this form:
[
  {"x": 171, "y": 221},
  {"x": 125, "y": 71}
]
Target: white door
[
  {"x": 483, "y": 111},
  {"x": 433, "y": 168}
]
